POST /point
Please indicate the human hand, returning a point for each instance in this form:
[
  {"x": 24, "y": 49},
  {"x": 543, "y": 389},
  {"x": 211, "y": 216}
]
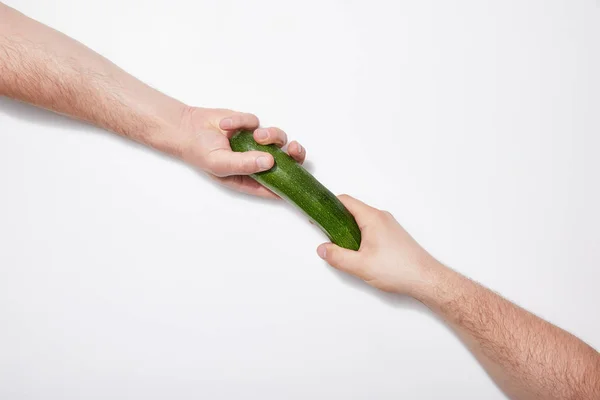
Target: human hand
[
  {"x": 209, "y": 131},
  {"x": 388, "y": 259}
]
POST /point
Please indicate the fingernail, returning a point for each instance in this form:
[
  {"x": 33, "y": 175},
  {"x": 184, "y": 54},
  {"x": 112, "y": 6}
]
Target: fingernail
[
  {"x": 226, "y": 123},
  {"x": 322, "y": 252},
  {"x": 299, "y": 148},
  {"x": 262, "y": 134},
  {"x": 263, "y": 163}
]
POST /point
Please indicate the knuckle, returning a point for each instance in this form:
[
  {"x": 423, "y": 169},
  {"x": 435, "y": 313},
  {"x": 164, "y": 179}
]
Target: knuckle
[
  {"x": 251, "y": 118},
  {"x": 221, "y": 113},
  {"x": 380, "y": 216},
  {"x": 222, "y": 167},
  {"x": 280, "y": 140},
  {"x": 248, "y": 165},
  {"x": 332, "y": 255},
  {"x": 262, "y": 136},
  {"x": 283, "y": 136},
  {"x": 210, "y": 164},
  {"x": 236, "y": 166},
  {"x": 337, "y": 259},
  {"x": 215, "y": 170},
  {"x": 221, "y": 170}
]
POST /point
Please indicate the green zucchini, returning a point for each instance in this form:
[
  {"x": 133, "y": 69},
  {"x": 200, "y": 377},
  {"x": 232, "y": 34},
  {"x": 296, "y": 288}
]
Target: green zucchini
[{"x": 293, "y": 183}]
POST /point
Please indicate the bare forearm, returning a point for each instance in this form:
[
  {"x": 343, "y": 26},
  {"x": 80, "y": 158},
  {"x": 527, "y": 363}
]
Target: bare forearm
[
  {"x": 526, "y": 356},
  {"x": 41, "y": 66}
]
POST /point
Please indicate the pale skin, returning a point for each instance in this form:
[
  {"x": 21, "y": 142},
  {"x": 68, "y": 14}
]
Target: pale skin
[
  {"x": 43, "y": 67},
  {"x": 529, "y": 358},
  {"x": 526, "y": 356}
]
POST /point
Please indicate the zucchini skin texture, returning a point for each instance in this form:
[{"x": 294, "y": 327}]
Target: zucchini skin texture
[{"x": 292, "y": 182}]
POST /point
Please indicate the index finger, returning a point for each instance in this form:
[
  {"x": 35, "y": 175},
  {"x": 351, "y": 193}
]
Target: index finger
[{"x": 239, "y": 120}]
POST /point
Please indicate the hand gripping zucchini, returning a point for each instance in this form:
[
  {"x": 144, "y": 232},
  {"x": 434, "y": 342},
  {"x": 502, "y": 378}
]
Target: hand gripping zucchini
[{"x": 292, "y": 182}]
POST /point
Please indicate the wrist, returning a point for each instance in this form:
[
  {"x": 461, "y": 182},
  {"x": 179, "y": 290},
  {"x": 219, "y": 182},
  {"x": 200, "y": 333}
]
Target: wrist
[
  {"x": 443, "y": 286},
  {"x": 432, "y": 281},
  {"x": 172, "y": 132}
]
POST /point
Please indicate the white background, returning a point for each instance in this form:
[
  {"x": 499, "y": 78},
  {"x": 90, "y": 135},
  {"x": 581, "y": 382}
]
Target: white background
[{"x": 127, "y": 275}]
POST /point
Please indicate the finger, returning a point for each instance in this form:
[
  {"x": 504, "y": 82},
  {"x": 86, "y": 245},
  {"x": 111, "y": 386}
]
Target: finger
[
  {"x": 270, "y": 136},
  {"x": 297, "y": 152},
  {"x": 362, "y": 212},
  {"x": 340, "y": 258},
  {"x": 245, "y": 184},
  {"x": 224, "y": 162},
  {"x": 239, "y": 120}
]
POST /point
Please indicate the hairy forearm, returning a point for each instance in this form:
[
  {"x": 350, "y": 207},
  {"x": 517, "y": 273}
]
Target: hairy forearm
[
  {"x": 528, "y": 357},
  {"x": 41, "y": 66}
]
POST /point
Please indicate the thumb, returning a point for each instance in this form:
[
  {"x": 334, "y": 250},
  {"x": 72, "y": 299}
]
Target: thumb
[
  {"x": 340, "y": 258},
  {"x": 224, "y": 162}
]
